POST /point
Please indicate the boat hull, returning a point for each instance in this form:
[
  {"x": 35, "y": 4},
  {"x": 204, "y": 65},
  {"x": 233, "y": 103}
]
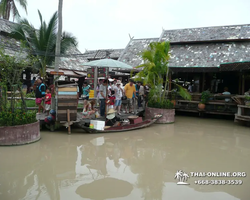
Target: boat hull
[{"x": 124, "y": 128}]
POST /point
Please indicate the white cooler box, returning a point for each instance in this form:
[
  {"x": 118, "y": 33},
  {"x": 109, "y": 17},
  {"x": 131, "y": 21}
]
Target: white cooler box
[{"x": 98, "y": 125}]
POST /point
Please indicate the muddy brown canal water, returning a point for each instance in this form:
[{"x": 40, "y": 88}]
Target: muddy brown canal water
[{"x": 210, "y": 157}]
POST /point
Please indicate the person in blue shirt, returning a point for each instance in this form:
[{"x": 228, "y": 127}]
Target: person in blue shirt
[{"x": 85, "y": 91}]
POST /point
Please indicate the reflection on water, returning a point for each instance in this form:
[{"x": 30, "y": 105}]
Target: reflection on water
[{"x": 132, "y": 165}]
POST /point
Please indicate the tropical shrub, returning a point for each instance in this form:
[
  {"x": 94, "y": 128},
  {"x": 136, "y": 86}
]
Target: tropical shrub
[
  {"x": 155, "y": 72},
  {"x": 18, "y": 117},
  {"x": 205, "y": 96},
  {"x": 10, "y": 73}
]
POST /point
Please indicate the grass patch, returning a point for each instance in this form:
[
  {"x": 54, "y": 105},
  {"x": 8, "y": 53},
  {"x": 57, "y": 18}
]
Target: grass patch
[{"x": 29, "y": 103}]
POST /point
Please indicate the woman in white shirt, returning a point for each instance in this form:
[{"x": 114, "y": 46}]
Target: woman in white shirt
[{"x": 118, "y": 96}]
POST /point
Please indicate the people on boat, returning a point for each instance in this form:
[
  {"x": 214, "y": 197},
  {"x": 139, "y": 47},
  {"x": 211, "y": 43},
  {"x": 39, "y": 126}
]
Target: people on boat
[
  {"x": 112, "y": 119},
  {"x": 88, "y": 108},
  {"x": 85, "y": 91},
  {"x": 118, "y": 96},
  {"x": 40, "y": 94},
  {"x": 130, "y": 91},
  {"x": 102, "y": 97}
]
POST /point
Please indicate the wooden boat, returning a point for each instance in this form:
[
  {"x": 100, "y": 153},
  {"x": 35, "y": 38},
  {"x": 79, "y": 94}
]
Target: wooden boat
[{"x": 128, "y": 127}]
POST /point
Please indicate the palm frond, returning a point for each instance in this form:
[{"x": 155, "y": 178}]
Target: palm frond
[{"x": 23, "y": 4}]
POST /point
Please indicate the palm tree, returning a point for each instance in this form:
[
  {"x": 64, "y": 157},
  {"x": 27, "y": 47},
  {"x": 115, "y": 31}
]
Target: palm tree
[
  {"x": 8, "y": 6},
  {"x": 59, "y": 33},
  {"x": 178, "y": 175},
  {"x": 42, "y": 42}
]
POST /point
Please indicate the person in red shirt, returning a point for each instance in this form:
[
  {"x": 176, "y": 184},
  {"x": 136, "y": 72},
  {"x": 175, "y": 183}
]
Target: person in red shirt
[
  {"x": 47, "y": 101},
  {"x": 112, "y": 100}
]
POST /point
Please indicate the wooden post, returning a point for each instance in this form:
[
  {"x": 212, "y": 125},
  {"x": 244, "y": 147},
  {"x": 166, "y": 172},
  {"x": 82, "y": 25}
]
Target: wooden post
[
  {"x": 106, "y": 106},
  {"x": 239, "y": 92},
  {"x": 68, "y": 118},
  {"x": 243, "y": 84},
  {"x": 170, "y": 81},
  {"x": 203, "y": 82},
  {"x": 95, "y": 81}
]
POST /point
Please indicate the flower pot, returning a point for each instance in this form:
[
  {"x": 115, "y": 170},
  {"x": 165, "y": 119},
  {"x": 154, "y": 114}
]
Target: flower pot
[
  {"x": 168, "y": 115},
  {"x": 173, "y": 102},
  {"x": 19, "y": 135},
  {"x": 201, "y": 106}
]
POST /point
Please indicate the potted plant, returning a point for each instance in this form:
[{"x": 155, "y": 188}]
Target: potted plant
[
  {"x": 205, "y": 96},
  {"x": 247, "y": 100},
  {"x": 17, "y": 125},
  {"x": 155, "y": 72}
]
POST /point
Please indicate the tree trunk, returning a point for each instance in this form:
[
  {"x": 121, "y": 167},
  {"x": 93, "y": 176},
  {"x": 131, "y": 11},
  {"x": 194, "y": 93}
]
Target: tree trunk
[
  {"x": 165, "y": 87},
  {"x": 59, "y": 35}
]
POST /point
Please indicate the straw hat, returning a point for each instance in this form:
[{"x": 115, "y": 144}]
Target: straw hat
[
  {"x": 111, "y": 111},
  {"x": 118, "y": 82}
]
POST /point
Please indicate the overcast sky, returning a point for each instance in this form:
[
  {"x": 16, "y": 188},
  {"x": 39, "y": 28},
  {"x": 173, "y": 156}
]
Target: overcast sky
[{"x": 106, "y": 24}]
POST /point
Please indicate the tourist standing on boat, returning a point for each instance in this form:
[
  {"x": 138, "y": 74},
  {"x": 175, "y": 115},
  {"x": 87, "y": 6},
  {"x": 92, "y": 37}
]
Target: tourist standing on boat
[
  {"x": 85, "y": 91},
  {"x": 129, "y": 92},
  {"x": 40, "y": 94},
  {"x": 118, "y": 96},
  {"x": 102, "y": 97}
]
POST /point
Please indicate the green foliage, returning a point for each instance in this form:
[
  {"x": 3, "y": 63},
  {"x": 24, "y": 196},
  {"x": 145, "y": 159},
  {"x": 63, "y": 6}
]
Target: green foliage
[
  {"x": 30, "y": 95},
  {"x": 42, "y": 42},
  {"x": 165, "y": 104},
  {"x": 155, "y": 72},
  {"x": 9, "y": 6},
  {"x": 18, "y": 117},
  {"x": 10, "y": 73},
  {"x": 205, "y": 96},
  {"x": 247, "y": 97}
]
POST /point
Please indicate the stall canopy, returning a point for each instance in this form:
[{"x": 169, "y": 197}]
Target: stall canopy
[
  {"x": 70, "y": 73},
  {"x": 108, "y": 63}
]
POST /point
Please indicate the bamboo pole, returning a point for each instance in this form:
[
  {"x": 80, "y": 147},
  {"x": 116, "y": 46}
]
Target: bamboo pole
[{"x": 106, "y": 109}]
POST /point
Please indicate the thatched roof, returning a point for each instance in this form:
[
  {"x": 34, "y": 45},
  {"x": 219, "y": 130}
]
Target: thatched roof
[
  {"x": 131, "y": 54},
  {"x": 103, "y": 53},
  {"x": 197, "y": 49},
  {"x": 212, "y": 34}
]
